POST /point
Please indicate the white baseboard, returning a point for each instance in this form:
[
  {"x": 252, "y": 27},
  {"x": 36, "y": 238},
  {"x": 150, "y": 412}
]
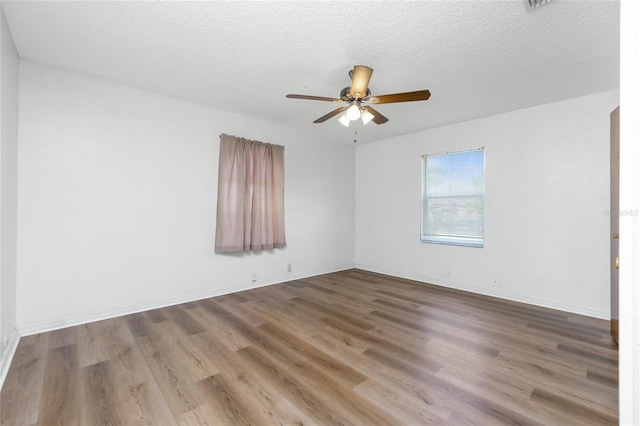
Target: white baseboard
[
  {"x": 7, "y": 356},
  {"x": 44, "y": 326},
  {"x": 545, "y": 303}
]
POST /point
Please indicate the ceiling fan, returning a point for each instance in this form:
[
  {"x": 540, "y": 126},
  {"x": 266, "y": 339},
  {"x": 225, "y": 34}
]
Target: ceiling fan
[{"x": 359, "y": 94}]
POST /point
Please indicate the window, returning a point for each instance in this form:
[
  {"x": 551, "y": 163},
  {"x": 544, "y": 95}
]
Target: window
[{"x": 453, "y": 198}]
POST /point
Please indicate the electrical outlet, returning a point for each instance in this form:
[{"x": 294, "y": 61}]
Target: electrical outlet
[{"x": 289, "y": 268}]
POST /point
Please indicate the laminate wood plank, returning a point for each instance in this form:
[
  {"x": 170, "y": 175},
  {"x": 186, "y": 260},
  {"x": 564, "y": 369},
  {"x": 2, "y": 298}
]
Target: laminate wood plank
[
  {"x": 276, "y": 409},
  {"x": 257, "y": 338},
  {"x": 357, "y": 290},
  {"x": 427, "y": 305},
  {"x": 502, "y": 386},
  {"x": 404, "y": 409},
  {"x": 334, "y": 313},
  {"x": 343, "y": 399},
  {"x": 352, "y": 332},
  {"x": 565, "y": 383},
  {"x": 63, "y": 337},
  {"x": 343, "y": 289},
  {"x": 233, "y": 366},
  {"x": 600, "y": 324},
  {"x": 570, "y": 335},
  {"x": 601, "y": 360},
  {"x": 496, "y": 411},
  {"x": 229, "y": 336},
  {"x": 60, "y": 400},
  {"x": 139, "y": 399},
  {"x": 339, "y": 341},
  {"x": 156, "y": 315},
  {"x": 320, "y": 359},
  {"x": 478, "y": 415},
  {"x": 195, "y": 363},
  {"x": 231, "y": 299},
  {"x": 34, "y": 338},
  {"x": 513, "y": 310},
  {"x": 180, "y": 316},
  {"x": 99, "y": 405},
  {"x": 485, "y": 380},
  {"x": 530, "y": 365},
  {"x": 598, "y": 329},
  {"x": 341, "y": 303},
  {"x": 398, "y": 305},
  {"x": 471, "y": 345},
  {"x": 232, "y": 404},
  {"x": 321, "y": 289},
  {"x": 602, "y": 376},
  {"x": 352, "y": 347},
  {"x": 402, "y": 338},
  {"x": 99, "y": 341},
  {"x": 588, "y": 355},
  {"x": 429, "y": 401},
  {"x": 572, "y": 410},
  {"x": 276, "y": 299},
  {"x": 508, "y": 334},
  {"x": 179, "y": 394},
  {"x": 26, "y": 372},
  {"x": 224, "y": 359},
  {"x": 305, "y": 398},
  {"x": 290, "y": 311},
  {"x": 188, "y": 305},
  {"x": 494, "y": 334},
  {"x": 286, "y": 316},
  {"x": 138, "y": 324},
  {"x": 247, "y": 313},
  {"x": 285, "y": 413},
  {"x": 282, "y": 292},
  {"x": 203, "y": 415}
]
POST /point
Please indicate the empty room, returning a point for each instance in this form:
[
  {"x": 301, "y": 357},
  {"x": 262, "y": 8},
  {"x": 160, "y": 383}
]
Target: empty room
[{"x": 319, "y": 212}]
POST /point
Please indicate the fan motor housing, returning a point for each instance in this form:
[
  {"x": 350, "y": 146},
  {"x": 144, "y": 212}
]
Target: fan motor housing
[{"x": 345, "y": 95}]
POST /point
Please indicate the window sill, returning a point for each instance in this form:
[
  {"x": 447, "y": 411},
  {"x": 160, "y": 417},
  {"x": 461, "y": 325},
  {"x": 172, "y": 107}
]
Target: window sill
[{"x": 453, "y": 242}]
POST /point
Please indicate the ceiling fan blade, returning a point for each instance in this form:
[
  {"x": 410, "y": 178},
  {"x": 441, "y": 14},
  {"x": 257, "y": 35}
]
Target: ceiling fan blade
[
  {"x": 331, "y": 114},
  {"x": 360, "y": 81},
  {"x": 377, "y": 117},
  {"x": 314, "y": 98},
  {"x": 419, "y": 95}
]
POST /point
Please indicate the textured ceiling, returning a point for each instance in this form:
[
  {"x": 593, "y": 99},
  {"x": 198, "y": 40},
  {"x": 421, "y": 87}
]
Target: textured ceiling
[{"x": 477, "y": 58}]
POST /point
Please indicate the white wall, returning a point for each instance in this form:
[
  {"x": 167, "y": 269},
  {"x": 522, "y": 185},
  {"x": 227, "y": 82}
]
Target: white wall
[
  {"x": 8, "y": 195},
  {"x": 546, "y": 202},
  {"x": 629, "y": 383},
  {"x": 117, "y": 201}
]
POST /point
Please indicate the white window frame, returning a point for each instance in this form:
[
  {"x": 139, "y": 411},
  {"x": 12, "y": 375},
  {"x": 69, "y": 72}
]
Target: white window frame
[{"x": 449, "y": 239}]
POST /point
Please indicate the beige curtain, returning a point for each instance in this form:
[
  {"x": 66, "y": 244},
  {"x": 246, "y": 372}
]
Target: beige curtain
[{"x": 250, "y": 196}]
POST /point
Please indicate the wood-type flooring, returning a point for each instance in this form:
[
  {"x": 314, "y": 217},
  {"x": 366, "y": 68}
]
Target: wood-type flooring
[{"x": 351, "y": 347}]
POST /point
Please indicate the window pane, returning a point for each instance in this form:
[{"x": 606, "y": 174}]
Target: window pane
[
  {"x": 459, "y": 173},
  {"x": 456, "y": 217}
]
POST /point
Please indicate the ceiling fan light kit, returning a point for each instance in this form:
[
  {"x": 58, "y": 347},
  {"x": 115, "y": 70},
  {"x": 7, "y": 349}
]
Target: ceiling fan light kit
[
  {"x": 366, "y": 116},
  {"x": 358, "y": 94},
  {"x": 353, "y": 112}
]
